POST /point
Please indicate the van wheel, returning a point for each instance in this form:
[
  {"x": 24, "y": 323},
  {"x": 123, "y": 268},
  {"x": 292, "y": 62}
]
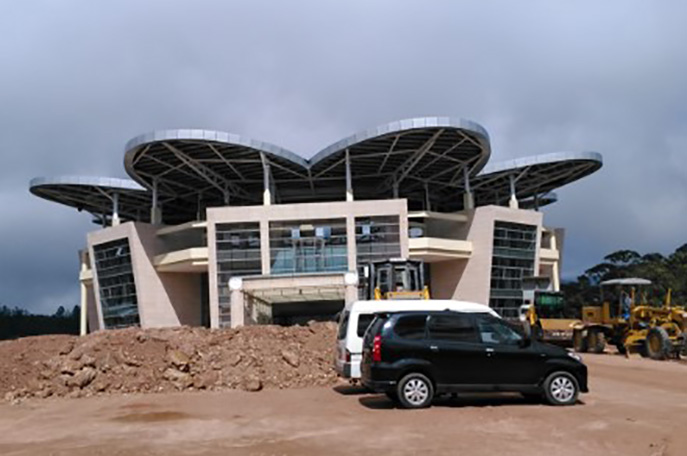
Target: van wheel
[
  {"x": 415, "y": 391},
  {"x": 561, "y": 388}
]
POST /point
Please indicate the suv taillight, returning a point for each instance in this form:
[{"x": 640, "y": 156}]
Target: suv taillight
[
  {"x": 348, "y": 356},
  {"x": 377, "y": 349}
]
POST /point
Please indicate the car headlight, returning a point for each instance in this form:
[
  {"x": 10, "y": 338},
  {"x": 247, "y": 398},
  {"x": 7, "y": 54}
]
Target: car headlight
[{"x": 575, "y": 356}]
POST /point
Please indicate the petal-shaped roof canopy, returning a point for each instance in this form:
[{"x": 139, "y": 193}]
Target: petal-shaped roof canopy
[
  {"x": 428, "y": 160},
  {"x": 95, "y": 195},
  {"x": 412, "y": 155}
]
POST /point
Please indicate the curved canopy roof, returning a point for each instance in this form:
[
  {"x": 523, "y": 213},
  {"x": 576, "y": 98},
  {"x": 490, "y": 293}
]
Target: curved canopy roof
[
  {"x": 428, "y": 160},
  {"x": 628, "y": 282},
  {"x": 95, "y": 195},
  {"x": 532, "y": 176},
  {"x": 221, "y": 168}
]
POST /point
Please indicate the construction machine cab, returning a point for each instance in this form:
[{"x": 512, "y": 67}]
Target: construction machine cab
[{"x": 396, "y": 278}]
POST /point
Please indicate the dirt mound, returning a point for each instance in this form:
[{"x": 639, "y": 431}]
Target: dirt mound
[{"x": 158, "y": 360}]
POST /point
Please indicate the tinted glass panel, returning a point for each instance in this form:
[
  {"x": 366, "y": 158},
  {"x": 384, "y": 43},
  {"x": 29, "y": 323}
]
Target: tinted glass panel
[
  {"x": 453, "y": 328},
  {"x": 495, "y": 331},
  {"x": 343, "y": 325},
  {"x": 364, "y": 321},
  {"x": 411, "y": 327},
  {"x": 116, "y": 284}
]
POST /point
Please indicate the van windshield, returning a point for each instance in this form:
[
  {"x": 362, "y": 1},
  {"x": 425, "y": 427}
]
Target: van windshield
[{"x": 343, "y": 325}]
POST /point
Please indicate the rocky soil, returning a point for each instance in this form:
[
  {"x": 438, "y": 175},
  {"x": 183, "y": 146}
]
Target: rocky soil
[{"x": 162, "y": 360}]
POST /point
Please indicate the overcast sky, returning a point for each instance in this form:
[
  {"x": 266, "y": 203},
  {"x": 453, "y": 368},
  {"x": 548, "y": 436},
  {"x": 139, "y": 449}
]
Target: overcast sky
[{"x": 80, "y": 78}]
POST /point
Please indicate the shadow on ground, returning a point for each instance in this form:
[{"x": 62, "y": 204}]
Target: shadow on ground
[
  {"x": 351, "y": 390},
  {"x": 382, "y": 402}
]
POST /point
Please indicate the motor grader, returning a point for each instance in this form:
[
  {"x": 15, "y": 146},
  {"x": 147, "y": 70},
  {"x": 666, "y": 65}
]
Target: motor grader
[{"x": 631, "y": 323}]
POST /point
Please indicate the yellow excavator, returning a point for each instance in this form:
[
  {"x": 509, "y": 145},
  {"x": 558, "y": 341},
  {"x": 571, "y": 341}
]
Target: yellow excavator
[
  {"x": 627, "y": 320},
  {"x": 396, "y": 278}
]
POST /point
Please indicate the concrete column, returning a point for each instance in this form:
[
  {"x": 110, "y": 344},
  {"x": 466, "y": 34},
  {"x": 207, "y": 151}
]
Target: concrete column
[
  {"x": 513, "y": 201},
  {"x": 115, "y": 209},
  {"x": 351, "y": 246},
  {"x": 83, "y": 324},
  {"x": 351, "y": 285},
  {"x": 556, "y": 278},
  {"x": 349, "y": 179},
  {"x": 237, "y": 302},
  {"x": 265, "y": 246}
]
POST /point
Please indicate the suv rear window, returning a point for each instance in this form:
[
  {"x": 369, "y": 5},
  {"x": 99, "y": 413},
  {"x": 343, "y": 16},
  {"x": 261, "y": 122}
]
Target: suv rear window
[
  {"x": 364, "y": 321},
  {"x": 452, "y": 328},
  {"x": 411, "y": 327}
]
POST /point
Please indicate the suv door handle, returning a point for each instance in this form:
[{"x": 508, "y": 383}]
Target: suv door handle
[
  {"x": 489, "y": 350},
  {"x": 434, "y": 348}
]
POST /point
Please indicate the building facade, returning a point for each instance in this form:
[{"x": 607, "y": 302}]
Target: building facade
[{"x": 217, "y": 230}]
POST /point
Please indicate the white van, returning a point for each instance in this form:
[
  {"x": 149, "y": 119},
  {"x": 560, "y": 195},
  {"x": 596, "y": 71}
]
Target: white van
[{"x": 357, "y": 316}]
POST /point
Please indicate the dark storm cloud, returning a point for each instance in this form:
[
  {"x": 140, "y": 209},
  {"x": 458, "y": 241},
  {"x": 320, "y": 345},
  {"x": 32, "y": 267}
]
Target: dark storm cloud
[{"x": 79, "y": 79}]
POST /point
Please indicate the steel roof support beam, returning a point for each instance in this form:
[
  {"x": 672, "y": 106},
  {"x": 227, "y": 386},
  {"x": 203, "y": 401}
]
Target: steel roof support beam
[
  {"x": 409, "y": 164},
  {"x": 513, "y": 200},
  {"x": 349, "y": 179},
  {"x": 267, "y": 187},
  {"x": 468, "y": 197},
  {"x": 388, "y": 153},
  {"x": 210, "y": 175},
  {"x": 225, "y": 161},
  {"x": 155, "y": 211}
]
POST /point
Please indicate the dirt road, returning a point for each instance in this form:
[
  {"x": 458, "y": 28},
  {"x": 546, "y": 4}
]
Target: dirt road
[{"x": 636, "y": 407}]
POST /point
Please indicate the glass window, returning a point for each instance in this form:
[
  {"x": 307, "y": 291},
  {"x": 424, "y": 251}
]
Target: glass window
[
  {"x": 364, "y": 321},
  {"x": 118, "y": 300},
  {"x": 377, "y": 238},
  {"x": 495, "y": 331},
  {"x": 238, "y": 254},
  {"x": 515, "y": 247},
  {"x": 411, "y": 327},
  {"x": 304, "y": 246},
  {"x": 452, "y": 328}
]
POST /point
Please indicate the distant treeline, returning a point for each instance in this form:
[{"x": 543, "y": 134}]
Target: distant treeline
[
  {"x": 18, "y": 322},
  {"x": 665, "y": 272}
]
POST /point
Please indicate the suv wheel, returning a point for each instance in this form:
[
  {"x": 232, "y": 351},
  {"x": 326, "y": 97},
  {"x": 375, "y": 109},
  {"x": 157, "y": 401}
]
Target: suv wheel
[
  {"x": 561, "y": 388},
  {"x": 415, "y": 391}
]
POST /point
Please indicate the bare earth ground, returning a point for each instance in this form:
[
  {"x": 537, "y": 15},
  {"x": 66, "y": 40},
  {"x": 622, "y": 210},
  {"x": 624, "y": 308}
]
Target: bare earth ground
[{"x": 636, "y": 407}]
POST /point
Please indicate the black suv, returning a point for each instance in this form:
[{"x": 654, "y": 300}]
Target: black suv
[{"x": 411, "y": 356}]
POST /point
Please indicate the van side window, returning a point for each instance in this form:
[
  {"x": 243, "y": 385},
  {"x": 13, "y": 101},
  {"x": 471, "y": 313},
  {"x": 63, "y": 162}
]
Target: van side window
[
  {"x": 343, "y": 325},
  {"x": 452, "y": 328},
  {"x": 411, "y": 327},
  {"x": 494, "y": 331},
  {"x": 364, "y": 321}
]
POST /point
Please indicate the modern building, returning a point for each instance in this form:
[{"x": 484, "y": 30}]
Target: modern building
[{"x": 216, "y": 229}]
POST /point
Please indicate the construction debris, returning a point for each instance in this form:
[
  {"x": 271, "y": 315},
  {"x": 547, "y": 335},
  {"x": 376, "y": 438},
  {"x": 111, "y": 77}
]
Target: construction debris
[{"x": 176, "y": 359}]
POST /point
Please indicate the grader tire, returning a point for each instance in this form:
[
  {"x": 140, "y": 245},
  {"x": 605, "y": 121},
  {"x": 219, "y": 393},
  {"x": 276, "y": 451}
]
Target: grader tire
[
  {"x": 658, "y": 345},
  {"x": 579, "y": 342},
  {"x": 596, "y": 341},
  {"x": 621, "y": 348}
]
